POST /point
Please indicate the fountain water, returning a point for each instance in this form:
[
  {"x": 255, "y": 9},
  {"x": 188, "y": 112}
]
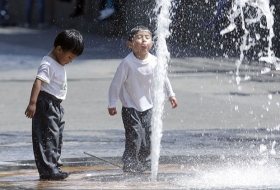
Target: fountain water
[
  {"x": 230, "y": 175},
  {"x": 162, "y": 32},
  {"x": 252, "y": 12}
]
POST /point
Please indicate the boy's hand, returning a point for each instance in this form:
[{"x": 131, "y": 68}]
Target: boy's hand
[
  {"x": 173, "y": 102},
  {"x": 30, "y": 110},
  {"x": 112, "y": 111}
]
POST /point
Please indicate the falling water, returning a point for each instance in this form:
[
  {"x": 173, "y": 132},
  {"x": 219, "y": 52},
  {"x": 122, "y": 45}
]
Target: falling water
[
  {"x": 241, "y": 8},
  {"x": 162, "y": 32}
]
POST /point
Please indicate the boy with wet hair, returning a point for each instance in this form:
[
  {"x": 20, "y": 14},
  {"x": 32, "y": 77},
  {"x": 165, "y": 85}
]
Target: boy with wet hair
[
  {"x": 48, "y": 91},
  {"x": 132, "y": 84}
]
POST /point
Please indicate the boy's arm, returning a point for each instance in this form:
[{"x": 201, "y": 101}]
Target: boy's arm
[
  {"x": 31, "y": 108},
  {"x": 114, "y": 90},
  {"x": 168, "y": 88},
  {"x": 169, "y": 92}
]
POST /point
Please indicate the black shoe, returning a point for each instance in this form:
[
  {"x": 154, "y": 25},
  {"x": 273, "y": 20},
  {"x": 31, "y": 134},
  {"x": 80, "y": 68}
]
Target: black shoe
[
  {"x": 57, "y": 176},
  {"x": 64, "y": 173},
  {"x": 136, "y": 168}
]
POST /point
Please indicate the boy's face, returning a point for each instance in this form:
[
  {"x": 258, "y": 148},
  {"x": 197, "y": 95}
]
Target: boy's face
[
  {"x": 141, "y": 43},
  {"x": 64, "y": 57}
]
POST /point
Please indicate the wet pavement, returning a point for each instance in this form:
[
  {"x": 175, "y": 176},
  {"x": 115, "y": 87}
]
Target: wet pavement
[{"x": 222, "y": 135}]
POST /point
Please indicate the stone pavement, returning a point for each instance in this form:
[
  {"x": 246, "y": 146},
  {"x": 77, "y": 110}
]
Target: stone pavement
[{"x": 210, "y": 102}]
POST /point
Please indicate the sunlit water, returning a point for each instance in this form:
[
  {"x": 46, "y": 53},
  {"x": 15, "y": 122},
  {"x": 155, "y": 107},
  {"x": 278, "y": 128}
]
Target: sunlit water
[
  {"x": 163, "y": 56},
  {"x": 241, "y": 174},
  {"x": 250, "y": 176},
  {"x": 253, "y": 13}
]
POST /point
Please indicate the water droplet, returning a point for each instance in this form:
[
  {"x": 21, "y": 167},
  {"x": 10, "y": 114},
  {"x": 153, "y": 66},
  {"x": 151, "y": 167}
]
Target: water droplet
[
  {"x": 182, "y": 166},
  {"x": 265, "y": 70},
  {"x": 238, "y": 79},
  {"x": 247, "y": 78},
  {"x": 263, "y": 148},
  {"x": 239, "y": 88}
]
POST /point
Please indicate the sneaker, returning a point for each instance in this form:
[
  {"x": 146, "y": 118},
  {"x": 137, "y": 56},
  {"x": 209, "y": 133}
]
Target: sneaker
[
  {"x": 106, "y": 13},
  {"x": 133, "y": 168},
  {"x": 56, "y": 176}
]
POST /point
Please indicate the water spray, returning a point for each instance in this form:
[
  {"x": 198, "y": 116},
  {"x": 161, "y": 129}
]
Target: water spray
[
  {"x": 241, "y": 9},
  {"x": 162, "y": 32}
]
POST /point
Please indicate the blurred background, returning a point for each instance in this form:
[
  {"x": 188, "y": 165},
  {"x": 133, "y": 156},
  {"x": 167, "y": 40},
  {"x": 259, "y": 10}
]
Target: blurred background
[{"x": 195, "y": 24}]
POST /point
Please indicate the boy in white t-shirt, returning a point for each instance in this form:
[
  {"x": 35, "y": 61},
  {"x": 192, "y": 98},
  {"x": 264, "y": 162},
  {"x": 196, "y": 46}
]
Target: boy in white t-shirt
[
  {"x": 48, "y": 91},
  {"x": 132, "y": 85}
]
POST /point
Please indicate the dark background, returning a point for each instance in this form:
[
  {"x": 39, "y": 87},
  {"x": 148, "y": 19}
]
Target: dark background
[{"x": 190, "y": 32}]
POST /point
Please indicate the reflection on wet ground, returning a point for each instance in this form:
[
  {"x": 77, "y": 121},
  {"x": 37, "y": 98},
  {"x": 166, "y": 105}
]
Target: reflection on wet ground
[
  {"x": 217, "y": 142},
  {"x": 208, "y": 159}
]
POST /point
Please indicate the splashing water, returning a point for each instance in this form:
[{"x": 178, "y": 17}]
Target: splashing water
[
  {"x": 243, "y": 9},
  {"x": 163, "y": 56},
  {"x": 247, "y": 176}
]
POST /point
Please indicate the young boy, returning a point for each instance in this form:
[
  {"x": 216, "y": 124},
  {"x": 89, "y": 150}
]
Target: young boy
[
  {"x": 132, "y": 84},
  {"x": 49, "y": 89}
]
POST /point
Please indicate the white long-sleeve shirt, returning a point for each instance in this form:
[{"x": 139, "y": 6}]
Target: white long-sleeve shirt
[{"x": 132, "y": 83}]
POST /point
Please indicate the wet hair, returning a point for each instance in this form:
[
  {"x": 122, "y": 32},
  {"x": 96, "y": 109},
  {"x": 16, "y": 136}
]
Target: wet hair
[
  {"x": 70, "y": 40},
  {"x": 135, "y": 30}
]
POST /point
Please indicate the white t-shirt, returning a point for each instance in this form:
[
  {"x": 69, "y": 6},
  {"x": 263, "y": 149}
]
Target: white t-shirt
[
  {"x": 132, "y": 83},
  {"x": 54, "y": 77}
]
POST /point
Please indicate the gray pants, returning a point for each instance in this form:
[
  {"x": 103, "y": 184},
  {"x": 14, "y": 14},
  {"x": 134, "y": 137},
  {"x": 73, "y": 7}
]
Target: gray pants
[
  {"x": 47, "y": 129},
  {"x": 137, "y": 127}
]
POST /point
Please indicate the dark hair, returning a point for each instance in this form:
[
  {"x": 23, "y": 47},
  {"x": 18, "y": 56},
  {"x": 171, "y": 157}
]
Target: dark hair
[
  {"x": 70, "y": 40},
  {"x": 135, "y": 30}
]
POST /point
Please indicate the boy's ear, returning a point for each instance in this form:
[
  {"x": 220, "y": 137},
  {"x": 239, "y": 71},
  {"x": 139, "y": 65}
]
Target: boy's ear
[
  {"x": 129, "y": 44},
  {"x": 58, "y": 49}
]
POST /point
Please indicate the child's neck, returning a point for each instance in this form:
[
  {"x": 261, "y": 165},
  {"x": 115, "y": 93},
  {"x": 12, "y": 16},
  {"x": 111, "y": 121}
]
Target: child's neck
[
  {"x": 141, "y": 56},
  {"x": 52, "y": 55}
]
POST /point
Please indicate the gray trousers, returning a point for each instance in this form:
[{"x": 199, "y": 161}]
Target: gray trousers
[
  {"x": 137, "y": 127},
  {"x": 47, "y": 129}
]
